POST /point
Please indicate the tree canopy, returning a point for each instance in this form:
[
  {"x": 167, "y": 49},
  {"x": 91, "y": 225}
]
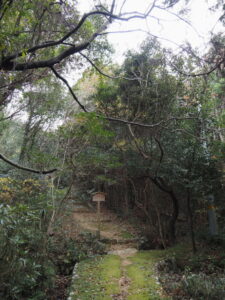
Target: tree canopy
[{"x": 148, "y": 132}]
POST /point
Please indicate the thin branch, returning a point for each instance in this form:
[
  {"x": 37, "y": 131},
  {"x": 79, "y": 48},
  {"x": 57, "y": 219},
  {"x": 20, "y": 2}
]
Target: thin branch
[
  {"x": 24, "y": 168},
  {"x": 188, "y": 133},
  {"x": 161, "y": 150},
  {"x": 69, "y": 87},
  {"x": 136, "y": 143},
  {"x": 97, "y": 68},
  {"x": 161, "y": 155},
  {"x": 186, "y": 49},
  {"x": 160, "y": 123},
  {"x": 198, "y": 74},
  {"x": 13, "y": 114},
  {"x": 121, "y": 8},
  {"x": 14, "y": 83},
  {"x": 179, "y": 17},
  {"x": 151, "y": 8},
  {"x": 7, "y": 5},
  {"x": 104, "y": 74},
  {"x": 112, "y": 9},
  {"x": 112, "y": 119},
  {"x": 143, "y": 154},
  {"x": 8, "y": 64},
  {"x": 122, "y": 31}
]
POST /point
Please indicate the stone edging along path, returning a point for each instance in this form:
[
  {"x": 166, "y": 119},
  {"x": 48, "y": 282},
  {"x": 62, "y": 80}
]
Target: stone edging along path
[{"x": 123, "y": 274}]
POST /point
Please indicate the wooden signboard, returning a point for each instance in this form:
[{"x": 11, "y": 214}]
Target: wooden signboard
[{"x": 99, "y": 197}]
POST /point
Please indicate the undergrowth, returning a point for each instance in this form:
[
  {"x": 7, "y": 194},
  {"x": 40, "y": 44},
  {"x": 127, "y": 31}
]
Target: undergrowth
[{"x": 199, "y": 276}]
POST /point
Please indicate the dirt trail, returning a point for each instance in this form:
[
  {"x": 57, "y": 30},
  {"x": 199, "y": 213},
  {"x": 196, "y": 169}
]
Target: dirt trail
[
  {"x": 125, "y": 273},
  {"x": 121, "y": 237},
  {"x": 119, "y": 233}
]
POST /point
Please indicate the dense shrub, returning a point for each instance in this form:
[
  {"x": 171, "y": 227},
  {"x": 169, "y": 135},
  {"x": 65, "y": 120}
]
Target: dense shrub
[
  {"x": 25, "y": 270},
  {"x": 201, "y": 286},
  {"x": 88, "y": 245},
  {"x": 30, "y": 259},
  {"x": 66, "y": 252}
]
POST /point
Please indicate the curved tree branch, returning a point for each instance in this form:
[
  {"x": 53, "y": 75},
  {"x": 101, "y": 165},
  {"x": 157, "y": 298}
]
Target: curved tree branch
[
  {"x": 25, "y": 168},
  {"x": 206, "y": 73},
  {"x": 69, "y": 87},
  {"x": 161, "y": 155},
  {"x": 161, "y": 150},
  {"x": 9, "y": 62},
  {"x": 104, "y": 74},
  {"x": 145, "y": 156},
  {"x": 112, "y": 119}
]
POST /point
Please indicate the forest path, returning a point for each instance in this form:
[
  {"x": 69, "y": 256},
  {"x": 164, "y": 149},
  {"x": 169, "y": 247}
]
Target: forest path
[
  {"x": 114, "y": 229},
  {"x": 124, "y": 273}
]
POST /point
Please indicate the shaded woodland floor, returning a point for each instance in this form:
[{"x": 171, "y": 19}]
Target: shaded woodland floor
[{"x": 124, "y": 272}]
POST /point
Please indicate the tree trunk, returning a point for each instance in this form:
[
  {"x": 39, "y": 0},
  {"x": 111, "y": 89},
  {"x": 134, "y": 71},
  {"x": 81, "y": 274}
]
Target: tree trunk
[
  {"x": 190, "y": 219},
  {"x": 172, "y": 225}
]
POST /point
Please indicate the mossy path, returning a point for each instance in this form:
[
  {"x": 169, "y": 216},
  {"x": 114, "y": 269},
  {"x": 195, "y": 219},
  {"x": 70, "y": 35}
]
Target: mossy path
[
  {"x": 112, "y": 277},
  {"x": 124, "y": 273}
]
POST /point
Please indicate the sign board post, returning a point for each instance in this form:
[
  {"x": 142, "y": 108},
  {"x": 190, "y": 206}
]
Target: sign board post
[
  {"x": 213, "y": 228},
  {"x": 98, "y": 197}
]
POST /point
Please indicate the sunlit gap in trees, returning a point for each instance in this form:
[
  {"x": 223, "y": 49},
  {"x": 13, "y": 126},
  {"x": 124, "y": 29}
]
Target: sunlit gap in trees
[
  {"x": 171, "y": 29},
  {"x": 182, "y": 26}
]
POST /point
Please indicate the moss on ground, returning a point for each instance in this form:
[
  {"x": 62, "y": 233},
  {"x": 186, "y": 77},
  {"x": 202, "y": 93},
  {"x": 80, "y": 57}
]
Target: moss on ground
[
  {"x": 126, "y": 235},
  {"x": 144, "y": 284},
  {"x": 97, "y": 278}
]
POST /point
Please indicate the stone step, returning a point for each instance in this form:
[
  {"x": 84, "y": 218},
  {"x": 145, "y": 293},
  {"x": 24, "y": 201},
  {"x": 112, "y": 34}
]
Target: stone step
[{"x": 119, "y": 241}]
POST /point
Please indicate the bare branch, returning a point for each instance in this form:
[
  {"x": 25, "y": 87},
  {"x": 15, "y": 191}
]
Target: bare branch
[
  {"x": 179, "y": 17},
  {"x": 136, "y": 143},
  {"x": 112, "y": 9},
  {"x": 13, "y": 114},
  {"x": 160, "y": 123},
  {"x": 24, "y": 168},
  {"x": 150, "y": 8},
  {"x": 161, "y": 150},
  {"x": 199, "y": 74},
  {"x": 121, "y": 8},
  {"x": 8, "y": 62},
  {"x": 104, "y": 74},
  {"x": 70, "y": 89},
  {"x": 97, "y": 68},
  {"x": 189, "y": 134},
  {"x": 112, "y": 119}
]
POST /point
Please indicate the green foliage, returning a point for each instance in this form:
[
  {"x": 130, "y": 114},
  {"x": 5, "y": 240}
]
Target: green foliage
[
  {"x": 28, "y": 191},
  {"x": 200, "y": 286},
  {"x": 88, "y": 245},
  {"x": 25, "y": 268},
  {"x": 94, "y": 126},
  {"x": 217, "y": 240},
  {"x": 197, "y": 276},
  {"x": 23, "y": 22},
  {"x": 66, "y": 252},
  {"x": 90, "y": 138},
  {"x": 63, "y": 252},
  {"x": 10, "y": 138}
]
